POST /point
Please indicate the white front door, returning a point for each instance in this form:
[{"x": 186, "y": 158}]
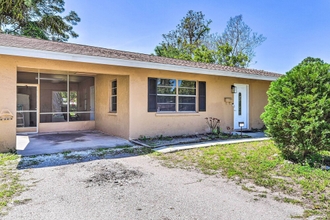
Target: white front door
[{"x": 241, "y": 106}]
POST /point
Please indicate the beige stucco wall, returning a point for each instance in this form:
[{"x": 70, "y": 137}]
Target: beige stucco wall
[
  {"x": 111, "y": 122},
  {"x": 217, "y": 88},
  {"x": 132, "y": 118},
  {"x": 7, "y": 101}
]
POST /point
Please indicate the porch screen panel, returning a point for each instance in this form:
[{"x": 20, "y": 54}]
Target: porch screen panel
[
  {"x": 53, "y": 97},
  {"x": 81, "y": 98},
  {"x": 64, "y": 101}
]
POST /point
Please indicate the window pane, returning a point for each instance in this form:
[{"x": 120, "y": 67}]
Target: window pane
[
  {"x": 166, "y": 82},
  {"x": 187, "y": 103},
  {"x": 166, "y": 103},
  {"x": 187, "y": 107},
  {"x": 114, "y": 84},
  {"x": 187, "y": 84},
  {"x": 114, "y": 91},
  {"x": 114, "y": 107},
  {"x": 239, "y": 103},
  {"x": 165, "y": 107},
  {"x": 114, "y": 100},
  {"x": 186, "y": 91},
  {"x": 166, "y": 86},
  {"x": 166, "y": 90},
  {"x": 187, "y": 100},
  {"x": 166, "y": 99}
]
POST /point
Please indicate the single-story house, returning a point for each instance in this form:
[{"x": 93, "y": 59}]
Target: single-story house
[{"x": 53, "y": 87}]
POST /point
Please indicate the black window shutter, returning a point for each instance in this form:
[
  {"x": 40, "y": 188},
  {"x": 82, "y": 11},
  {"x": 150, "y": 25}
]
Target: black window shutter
[
  {"x": 202, "y": 96},
  {"x": 152, "y": 95}
]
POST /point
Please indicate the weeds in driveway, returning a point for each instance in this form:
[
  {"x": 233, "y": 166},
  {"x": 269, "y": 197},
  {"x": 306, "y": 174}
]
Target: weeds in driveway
[
  {"x": 262, "y": 164},
  {"x": 9, "y": 179}
]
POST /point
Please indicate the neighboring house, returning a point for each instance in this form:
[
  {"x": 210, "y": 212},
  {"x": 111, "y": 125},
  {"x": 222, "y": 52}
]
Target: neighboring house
[{"x": 52, "y": 87}]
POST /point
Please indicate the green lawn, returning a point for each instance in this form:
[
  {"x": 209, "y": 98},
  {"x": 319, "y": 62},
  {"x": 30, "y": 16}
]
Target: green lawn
[
  {"x": 9, "y": 179},
  {"x": 262, "y": 164}
]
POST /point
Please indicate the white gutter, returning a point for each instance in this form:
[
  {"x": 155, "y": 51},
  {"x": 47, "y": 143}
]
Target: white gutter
[{"x": 23, "y": 52}]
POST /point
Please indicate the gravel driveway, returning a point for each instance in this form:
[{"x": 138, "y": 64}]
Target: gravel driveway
[{"x": 137, "y": 188}]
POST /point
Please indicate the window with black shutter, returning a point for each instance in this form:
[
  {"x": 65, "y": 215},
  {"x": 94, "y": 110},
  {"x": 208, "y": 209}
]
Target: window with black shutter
[{"x": 173, "y": 95}]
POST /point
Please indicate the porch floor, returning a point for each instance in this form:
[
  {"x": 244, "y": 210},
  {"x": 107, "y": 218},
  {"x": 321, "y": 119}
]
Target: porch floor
[{"x": 49, "y": 143}]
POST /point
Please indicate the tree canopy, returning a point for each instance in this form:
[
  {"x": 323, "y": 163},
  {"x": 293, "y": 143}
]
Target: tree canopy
[
  {"x": 192, "y": 40},
  {"x": 239, "y": 36},
  {"x": 38, "y": 19}
]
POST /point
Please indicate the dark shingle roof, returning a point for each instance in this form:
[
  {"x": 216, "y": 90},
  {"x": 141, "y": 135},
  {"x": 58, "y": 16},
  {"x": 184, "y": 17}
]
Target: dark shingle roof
[{"x": 70, "y": 48}]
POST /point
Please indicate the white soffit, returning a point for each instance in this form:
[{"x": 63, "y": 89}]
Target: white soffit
[{"x": 44, "y": 54}]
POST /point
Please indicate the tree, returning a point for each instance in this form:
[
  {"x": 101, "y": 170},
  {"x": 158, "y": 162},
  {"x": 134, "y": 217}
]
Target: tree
[
  {"x": 224, "y": 56},
  {"x": 240, "y": 37},
  {"x": 38, "y": 19},
  {"x": 182, "y": 53},
  {"x": 298, "y": 112},
  {"x": 188, "y": 35},
  {"x": 204, "y": 55},
  {"x": 191, "y": 40}
]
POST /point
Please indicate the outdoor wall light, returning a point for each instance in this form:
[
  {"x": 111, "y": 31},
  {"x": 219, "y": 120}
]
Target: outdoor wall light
[
  {"x": 241, "y": 125},
  {"x": 233, "y": 89}
]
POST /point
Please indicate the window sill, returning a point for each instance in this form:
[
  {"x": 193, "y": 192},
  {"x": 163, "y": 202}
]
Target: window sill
[
  {"x": 176, "y": 114},
  {"x": 112, "y": 113}
]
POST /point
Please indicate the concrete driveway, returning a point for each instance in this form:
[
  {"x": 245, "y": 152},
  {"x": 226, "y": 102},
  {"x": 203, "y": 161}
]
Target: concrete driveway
[
  {"x": 28, "y": 145},
  {"x": 137, "y": 187}
]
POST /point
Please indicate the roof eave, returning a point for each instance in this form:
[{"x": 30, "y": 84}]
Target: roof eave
[{"x": 24, "y": 52}]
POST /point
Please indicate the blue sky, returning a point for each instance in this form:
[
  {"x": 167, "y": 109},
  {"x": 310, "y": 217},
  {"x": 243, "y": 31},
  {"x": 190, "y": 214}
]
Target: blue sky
[{"x": 295, "y": 29}]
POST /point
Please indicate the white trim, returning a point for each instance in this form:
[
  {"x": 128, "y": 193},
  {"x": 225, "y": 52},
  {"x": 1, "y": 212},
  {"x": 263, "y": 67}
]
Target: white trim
[
  {"x": 14, "y": 51},
  {"x": 176, "y": 114}
]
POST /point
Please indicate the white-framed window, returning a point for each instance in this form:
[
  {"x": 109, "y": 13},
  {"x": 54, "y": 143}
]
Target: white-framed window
[
  {"x": 113, "y": 96},
  {"x": 172, "y": 95}
]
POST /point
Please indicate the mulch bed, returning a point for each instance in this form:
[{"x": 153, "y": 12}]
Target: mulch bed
[{"x": 161, "y": 141}]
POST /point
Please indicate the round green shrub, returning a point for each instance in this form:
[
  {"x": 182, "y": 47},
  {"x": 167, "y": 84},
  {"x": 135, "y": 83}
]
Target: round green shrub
[{"x": 297, "y": 115}]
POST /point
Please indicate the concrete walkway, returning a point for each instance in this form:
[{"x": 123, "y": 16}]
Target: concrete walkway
[
  {"x": 257, "y": 136},
  {"x": 28, "y": 145}
]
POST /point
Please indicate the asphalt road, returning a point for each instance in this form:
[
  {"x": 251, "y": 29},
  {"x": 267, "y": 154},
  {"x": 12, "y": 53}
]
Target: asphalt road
[{"x": 137, "y": 188}]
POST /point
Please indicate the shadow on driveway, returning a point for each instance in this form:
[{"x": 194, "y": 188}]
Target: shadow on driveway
[
  {"x": 74, "y": 157},
  {"x": 57, "y": 149},
  {"x": 50, "y": 143}
]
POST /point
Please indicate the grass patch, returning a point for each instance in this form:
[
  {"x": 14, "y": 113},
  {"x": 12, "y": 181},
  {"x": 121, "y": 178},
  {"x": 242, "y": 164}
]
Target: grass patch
[
  {"x": 126, "y": 149},
  {"x": 9, "y": 179},
  {"x": 262, "y": 164},
  {"x": 123, "y": 147}
]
